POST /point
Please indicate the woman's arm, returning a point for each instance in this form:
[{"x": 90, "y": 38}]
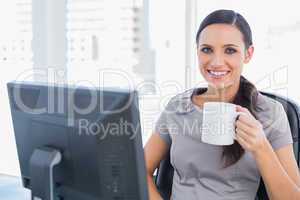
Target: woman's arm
[
  {"x": 281, "y": 178},
  {"x": 155, "y": 150},
  {"x": 278, "y": 169}
]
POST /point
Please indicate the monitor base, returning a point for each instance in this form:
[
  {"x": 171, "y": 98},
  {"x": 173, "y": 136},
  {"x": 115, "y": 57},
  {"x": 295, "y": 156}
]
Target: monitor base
[{"x": 42, "y": 163}]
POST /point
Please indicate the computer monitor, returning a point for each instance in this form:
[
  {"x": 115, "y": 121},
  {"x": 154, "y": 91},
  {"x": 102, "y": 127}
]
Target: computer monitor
[{"x": 78, "y": 143}]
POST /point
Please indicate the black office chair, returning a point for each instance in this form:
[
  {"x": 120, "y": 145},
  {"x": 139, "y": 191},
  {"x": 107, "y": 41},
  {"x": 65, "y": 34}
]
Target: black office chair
[{"x": 165, "y": 171}]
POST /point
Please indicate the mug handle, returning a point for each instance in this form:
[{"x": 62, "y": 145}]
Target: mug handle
[{"x": 237, "y": 114}]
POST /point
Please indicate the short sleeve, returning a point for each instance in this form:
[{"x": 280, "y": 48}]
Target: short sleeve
[
  {"x": 161, "y": 125},
  {"x": 280, "y": 133}
]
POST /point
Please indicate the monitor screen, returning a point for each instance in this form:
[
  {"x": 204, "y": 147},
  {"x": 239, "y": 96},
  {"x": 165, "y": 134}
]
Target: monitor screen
[{"x": 95, "y": 131}]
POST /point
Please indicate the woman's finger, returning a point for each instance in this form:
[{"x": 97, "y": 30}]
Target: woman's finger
[
  {"x": 242, "y": 142},
  {"x": 244, "y": 127},
  {"x": 244, "y": 110},
  {"x": 247, "y": 120},
  {"x": 243, "y": 135}
]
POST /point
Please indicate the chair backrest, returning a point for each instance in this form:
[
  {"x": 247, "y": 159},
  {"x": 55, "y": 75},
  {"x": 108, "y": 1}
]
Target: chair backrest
[{"x": 165, "y": 170}]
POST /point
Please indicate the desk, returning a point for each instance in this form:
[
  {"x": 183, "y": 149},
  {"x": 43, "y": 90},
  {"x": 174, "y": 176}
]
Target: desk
[{"x": 11, "y": 188}]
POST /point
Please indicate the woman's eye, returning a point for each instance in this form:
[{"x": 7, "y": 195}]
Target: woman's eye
[
  {"x": 230, "y": 50},
  {"x": 206, "y": 50}
]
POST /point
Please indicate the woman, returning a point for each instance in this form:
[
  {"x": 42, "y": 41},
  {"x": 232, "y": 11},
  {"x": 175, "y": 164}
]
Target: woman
[{"x": 263, "y": 145}]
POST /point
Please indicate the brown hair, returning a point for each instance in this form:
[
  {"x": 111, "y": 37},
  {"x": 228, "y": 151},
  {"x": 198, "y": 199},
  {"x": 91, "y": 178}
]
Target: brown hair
[{"x": 246, "y": 97}]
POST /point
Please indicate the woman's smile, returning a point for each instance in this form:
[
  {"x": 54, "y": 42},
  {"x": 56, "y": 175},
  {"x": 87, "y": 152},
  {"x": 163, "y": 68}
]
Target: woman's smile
[{"x": 218, "y": 74}]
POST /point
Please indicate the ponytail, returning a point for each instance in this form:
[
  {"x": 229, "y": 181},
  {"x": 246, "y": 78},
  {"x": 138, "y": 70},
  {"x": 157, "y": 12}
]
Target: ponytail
[{"x": 246, "y": 97}]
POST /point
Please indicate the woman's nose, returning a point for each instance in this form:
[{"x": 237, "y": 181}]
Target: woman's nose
[{"x": 217, "y": 60}]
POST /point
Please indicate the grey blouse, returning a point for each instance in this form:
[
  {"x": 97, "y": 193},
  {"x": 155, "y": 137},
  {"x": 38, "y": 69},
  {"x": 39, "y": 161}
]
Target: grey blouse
[{"x": 199, "y": 172}]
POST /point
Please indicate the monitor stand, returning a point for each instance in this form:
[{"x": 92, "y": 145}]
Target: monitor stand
[{"x": 42, "y": 163}]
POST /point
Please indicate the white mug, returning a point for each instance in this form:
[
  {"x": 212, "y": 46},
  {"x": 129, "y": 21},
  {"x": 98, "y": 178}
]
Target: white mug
[{"x": 218, "y": 126}]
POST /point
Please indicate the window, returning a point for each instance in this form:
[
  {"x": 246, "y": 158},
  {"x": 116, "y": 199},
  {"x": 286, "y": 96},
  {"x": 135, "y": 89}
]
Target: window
[
  {"x": 15, "y": 39},
  {"x": 15, "y": 61},
  {"x": 106, "y": 37},
  {"x": 109, "y": 45}
]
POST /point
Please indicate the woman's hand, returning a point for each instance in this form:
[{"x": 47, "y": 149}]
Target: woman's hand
[{"x": 249, "y": 131}]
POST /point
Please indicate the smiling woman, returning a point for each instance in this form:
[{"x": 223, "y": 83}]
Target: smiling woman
[
  {"x": 223, "y": 48},
  {"x": 205, "y": 171},
  {"x": 224, "y": 45}
]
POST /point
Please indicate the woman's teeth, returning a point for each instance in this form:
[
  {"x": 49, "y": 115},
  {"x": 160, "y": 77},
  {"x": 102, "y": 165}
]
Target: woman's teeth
[{"x": 218, "y": 73}]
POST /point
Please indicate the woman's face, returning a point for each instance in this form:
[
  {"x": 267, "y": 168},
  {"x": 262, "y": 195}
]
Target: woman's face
[{"x": 221, "y": 55}]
